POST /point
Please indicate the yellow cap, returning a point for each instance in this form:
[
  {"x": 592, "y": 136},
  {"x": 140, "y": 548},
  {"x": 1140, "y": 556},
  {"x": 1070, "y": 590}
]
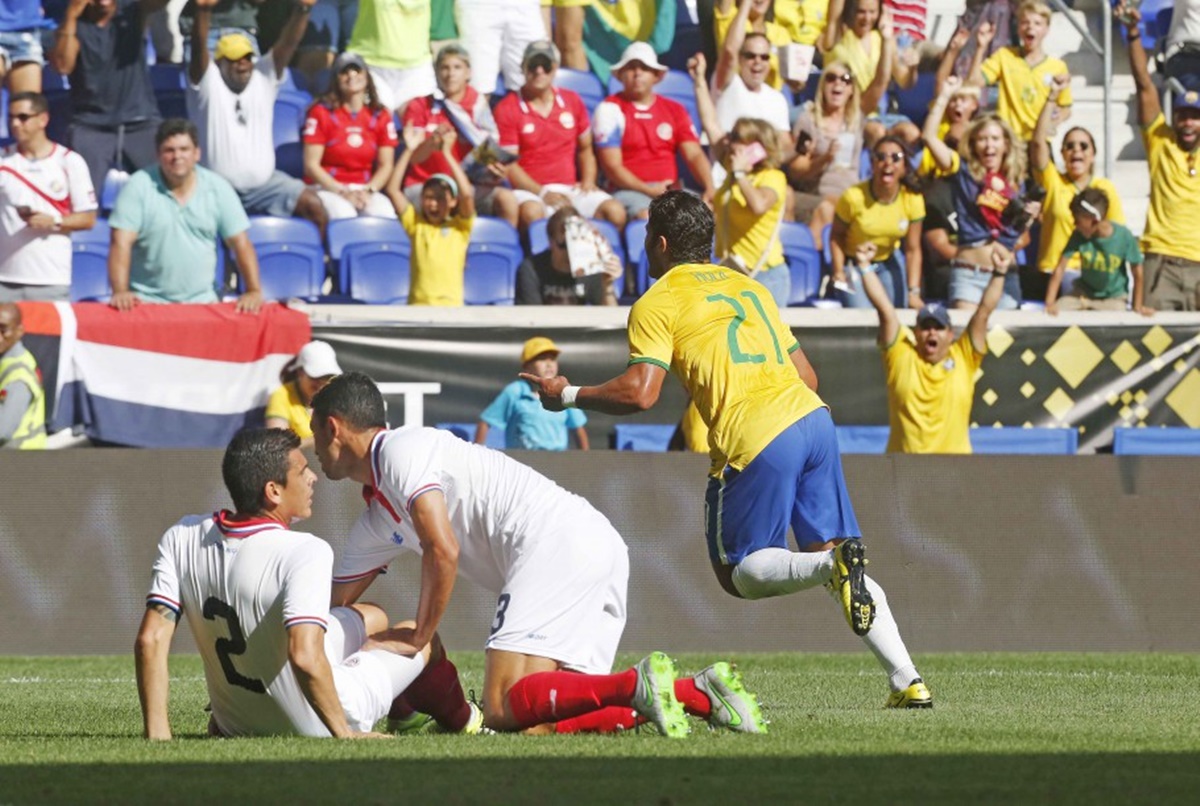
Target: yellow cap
[
  {"x": 233, "y": 47},
  {"x": 536, "y": 346}
]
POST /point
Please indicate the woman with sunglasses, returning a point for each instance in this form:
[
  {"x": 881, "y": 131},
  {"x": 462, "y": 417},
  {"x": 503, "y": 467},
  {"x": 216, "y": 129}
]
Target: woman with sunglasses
[
  {"x": 829, "y": 135},
  {"x": 886, "y": 212},
  {"x": 986, "y": 175},
  {"x": 749, "y": 207},
  {"x": 350, "y": 144},
  {"x": 1079, "y": 160}
]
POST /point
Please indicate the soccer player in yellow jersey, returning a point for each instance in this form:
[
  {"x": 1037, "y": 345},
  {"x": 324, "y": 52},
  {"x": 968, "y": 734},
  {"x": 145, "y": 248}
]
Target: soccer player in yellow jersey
[{"x": 775, "y": 458}]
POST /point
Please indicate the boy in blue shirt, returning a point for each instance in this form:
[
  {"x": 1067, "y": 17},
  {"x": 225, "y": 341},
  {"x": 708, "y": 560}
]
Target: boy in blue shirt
[{"x": 518, "y": 410}]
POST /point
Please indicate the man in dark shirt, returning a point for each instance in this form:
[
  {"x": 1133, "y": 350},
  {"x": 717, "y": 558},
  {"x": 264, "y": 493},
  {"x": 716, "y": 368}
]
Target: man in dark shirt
[
  {"x": 101, "y": 46},
  {"x": 546, "y": 278}
]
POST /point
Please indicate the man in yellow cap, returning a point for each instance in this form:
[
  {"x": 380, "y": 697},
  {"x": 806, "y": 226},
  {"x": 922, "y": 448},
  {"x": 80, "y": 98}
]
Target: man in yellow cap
[
  {"x": 518, "y": 410},
  {"x": 22, "y": 401}
]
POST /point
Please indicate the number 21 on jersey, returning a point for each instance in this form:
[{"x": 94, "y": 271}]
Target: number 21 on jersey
[{"x": 736, "y": 352}]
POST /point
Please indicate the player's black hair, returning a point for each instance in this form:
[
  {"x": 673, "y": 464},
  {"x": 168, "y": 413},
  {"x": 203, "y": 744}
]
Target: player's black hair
[
  {"x": 173, "y": 126},
  {"x": 686, "y": 223},
  {"x": 254, "y": 457},
  {"x": 354, "y": 398},
  {"x": 36, "y": 100},
  {"x": 1092, "y": 197}
]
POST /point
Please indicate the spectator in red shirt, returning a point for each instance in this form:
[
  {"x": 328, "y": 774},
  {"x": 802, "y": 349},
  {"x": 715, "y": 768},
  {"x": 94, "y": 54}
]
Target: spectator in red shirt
[
  {"x": 548, "y": 128},
  {"x": 465, "y": 112},
  {"x": 350, "y": 144},
  {"x": 638, "y": 133}
]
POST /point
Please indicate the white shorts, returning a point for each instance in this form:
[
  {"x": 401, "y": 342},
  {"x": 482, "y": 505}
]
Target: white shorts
[
  {"x": 585, "y": 203},
  {"x": 378, "y": 205},
  {"x": 495, "y": 33},
  {"x": 366, "y": 682},
  {"x": 344, "y": 634},
  {"x": 566, "y": 601},
  {"x": 397, "y": 86}
]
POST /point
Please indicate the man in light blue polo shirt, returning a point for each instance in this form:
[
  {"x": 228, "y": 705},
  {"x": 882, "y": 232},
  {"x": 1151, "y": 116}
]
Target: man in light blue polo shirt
[
  {"x": 519, "y": 412},
  {"x": 165, "y": 225}
]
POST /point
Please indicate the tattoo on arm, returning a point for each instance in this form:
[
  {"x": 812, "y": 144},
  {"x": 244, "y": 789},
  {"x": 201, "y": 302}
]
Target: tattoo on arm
[{"x": 165, "y": 612}]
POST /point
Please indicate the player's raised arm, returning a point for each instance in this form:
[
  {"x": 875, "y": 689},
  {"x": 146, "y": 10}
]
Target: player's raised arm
[
  {"x": 636, "y": 389},
  {"x": 153, "y": 679}
]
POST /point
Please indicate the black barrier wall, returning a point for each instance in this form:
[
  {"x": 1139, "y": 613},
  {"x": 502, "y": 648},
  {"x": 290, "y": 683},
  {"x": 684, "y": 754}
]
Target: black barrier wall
[{"x": 975, "y": 553}]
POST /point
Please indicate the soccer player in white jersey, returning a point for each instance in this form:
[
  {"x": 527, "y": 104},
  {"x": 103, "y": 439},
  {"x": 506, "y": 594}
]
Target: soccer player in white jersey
[
  {"x": 45, "y": 194},
  {"x": 559, "y": 568},
  {"x": 256, "y": 597}
]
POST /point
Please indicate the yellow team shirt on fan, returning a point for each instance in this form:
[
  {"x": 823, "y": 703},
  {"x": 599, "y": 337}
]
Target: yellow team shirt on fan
[
  {"x": 1172, "y": 226},
  {"x": 392, "y": 33},
  {"x": 862, "y": 62},
  {"x": 744, "y": 233},
  {"x": 1057, "y": 220},
  {"x": 929, "y": 405},
  {"x": 883, "y": 224},
  {"x": 777, "y": 36},
  {"x": 285, "y": 404},
  {"x": 1024, "y": 88},
  {"x": 439, "y": 257},
  {"x": 720, "y": 333},
  {"x": 804, "y": 20}
]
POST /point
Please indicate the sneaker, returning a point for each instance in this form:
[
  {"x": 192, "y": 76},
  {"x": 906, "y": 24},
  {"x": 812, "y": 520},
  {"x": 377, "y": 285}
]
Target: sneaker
[
  {"x": 732, "y": 706},
  {"x": 654, "y": 698},
  {"x": 416, "y": 722},
  {"x": 474, "y": 726},
  {"x": 917, "y": 695},
  {"x": 849, "y": 584}
]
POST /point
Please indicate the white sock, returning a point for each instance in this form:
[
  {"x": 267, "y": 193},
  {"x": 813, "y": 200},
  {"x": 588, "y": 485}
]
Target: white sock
[
  {"x": 885, "y": 641},
  {"x": 776, "y": 572}
]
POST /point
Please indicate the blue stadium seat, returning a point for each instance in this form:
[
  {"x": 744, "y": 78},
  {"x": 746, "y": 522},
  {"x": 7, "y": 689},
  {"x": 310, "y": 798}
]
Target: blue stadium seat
[
  {"x": 643, "y": 437},
  {"x": 804, "y": 261},
  {"x": 170, "y": 83},
  {"x": 1156, "y": 441},
  {"x": 635, "y": 248},
  {"x": 372, "y": 256},
  {"x": 289, "y": 158},
  {"x": 89, "y": 263},
  {"x": 496, "y": 438},
  {"x": 317, "y": 86},
  {"x": 291, "y": 258},
  {"x": 493, "y": 255},
  {"x": 914, "y": 103},
  {"x": 290, "y": 109},
  {"x": 539, "y": 241},
  {"x": 1016, "y": 440},
  {"x": 862, "y": 438},
  {"x": 586, "y": 85}
]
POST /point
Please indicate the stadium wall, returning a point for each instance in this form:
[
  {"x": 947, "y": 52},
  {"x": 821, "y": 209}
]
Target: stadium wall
[{"x": 976, "y": 553}]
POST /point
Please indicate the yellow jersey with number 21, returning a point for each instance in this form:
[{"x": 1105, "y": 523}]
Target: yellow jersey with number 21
[{"x": 720, "y": 332}]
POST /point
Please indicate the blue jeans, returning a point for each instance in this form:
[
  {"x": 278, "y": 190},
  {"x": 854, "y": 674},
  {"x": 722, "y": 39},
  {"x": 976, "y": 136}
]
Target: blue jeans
[
  {"x": 778, "y": 281},
  {"x": 890, "y": 273}
]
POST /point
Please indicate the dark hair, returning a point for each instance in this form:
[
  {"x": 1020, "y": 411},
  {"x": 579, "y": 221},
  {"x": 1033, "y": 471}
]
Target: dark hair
[
  {"x": 332, "y": 98},
  {"x": 910, "y": 181},
  {"x": 1071, "y": 131},
  {"x": 687, "y": 225},
  {"x": 354, "y": 398},
  {"x": 1094, "y": 197},
  {"x": 558, "y": 221},
  {"x": 36, "y": 100},
  {"x": 256, "y": 456},
  {"x": 850, "y": 11},
  {"x": 174, "y": 126}
]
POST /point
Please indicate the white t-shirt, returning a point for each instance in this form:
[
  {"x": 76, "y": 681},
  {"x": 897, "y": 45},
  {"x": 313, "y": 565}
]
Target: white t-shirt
[
  {"x": 737, "y": 101},
  {"x": 241, "y": 586},
  {"x": 237, "y": 129},
  {"x": 59, "y": 183},
  {"x": 500, "y": 509}
]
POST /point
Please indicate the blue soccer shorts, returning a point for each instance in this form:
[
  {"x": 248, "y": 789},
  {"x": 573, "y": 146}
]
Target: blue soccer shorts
[{"x": 796, "y": 480}]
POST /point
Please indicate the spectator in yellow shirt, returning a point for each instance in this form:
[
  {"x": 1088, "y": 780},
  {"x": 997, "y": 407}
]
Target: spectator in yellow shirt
[
  {"x": 440, "y": 229},
  {"x": 289, "y": 406},
  {"x": 750, "y": 16}
]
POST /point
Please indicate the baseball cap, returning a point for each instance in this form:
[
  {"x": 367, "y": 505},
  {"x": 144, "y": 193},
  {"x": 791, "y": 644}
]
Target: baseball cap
[
  {"x": 445, "y": 179},
  {"x": 540, "y": 47},
  {"x": 640, "y": 52},
  {"x": 935, "y": 311},
  {"x": 318, "y": 360},
  {"x": 1189, "y": 99},
  {"x": 536, "y": 346},
  {"x": 233, "y": 47},
  {"x": 349, "y": 59}
]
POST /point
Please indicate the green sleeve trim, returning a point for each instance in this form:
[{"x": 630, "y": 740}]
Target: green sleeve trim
[
  {"x": 794, "y": 347},
  {"x": 647, "y": 360}
]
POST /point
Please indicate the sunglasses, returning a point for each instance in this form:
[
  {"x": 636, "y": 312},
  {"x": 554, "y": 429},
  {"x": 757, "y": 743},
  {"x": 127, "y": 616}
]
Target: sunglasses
[
  {"x": 844, "y": 78},
  {"x": 1081, "y": 145},
  {"x": 237, "y": 110},
  {"x": 539, "y": 63},
  {"x": 21, "y": 117},
  {"x": 755, "y": 57},
  {"x": 893, "y": 157}
]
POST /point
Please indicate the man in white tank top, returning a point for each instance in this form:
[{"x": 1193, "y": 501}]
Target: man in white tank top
[
  {"x": 256, "y": 597},
  {"x": 559, "y": 568}
]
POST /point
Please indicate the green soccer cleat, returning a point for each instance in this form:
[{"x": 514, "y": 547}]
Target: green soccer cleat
[
  {"x": 416, "y": 722},
  {"x": 732, "y": 706},
  {"x": 917, "y": 695},
  {"x": 654, "y": 698},
  {"x": 849, "y": 583}
]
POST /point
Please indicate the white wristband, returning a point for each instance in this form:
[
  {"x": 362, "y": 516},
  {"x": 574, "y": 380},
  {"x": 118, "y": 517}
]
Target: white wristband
[{"x": 568, "y": 396}]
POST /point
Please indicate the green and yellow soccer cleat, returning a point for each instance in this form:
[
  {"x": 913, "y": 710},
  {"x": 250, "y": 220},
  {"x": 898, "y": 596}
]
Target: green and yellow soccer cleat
[
  {"x": 654, "y": 698},
  {"x": 416, "y": 722},
  {"x": 849, "y": 583},
  {"x": 733, "y": 707},
  {"x": 917, "y": 695}
]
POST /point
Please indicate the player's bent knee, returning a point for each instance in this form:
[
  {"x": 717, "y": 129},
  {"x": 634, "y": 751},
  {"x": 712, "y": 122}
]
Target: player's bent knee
[{"x": 724, "y": 574}]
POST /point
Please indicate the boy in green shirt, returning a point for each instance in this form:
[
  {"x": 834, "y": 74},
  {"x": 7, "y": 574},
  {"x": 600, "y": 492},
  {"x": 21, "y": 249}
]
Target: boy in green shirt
[{"x": 1105, "y": 248}]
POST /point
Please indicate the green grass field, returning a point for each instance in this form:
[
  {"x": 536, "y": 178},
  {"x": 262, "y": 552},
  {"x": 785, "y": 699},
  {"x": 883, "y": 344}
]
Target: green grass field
[{"x": 1061, "y": 728}]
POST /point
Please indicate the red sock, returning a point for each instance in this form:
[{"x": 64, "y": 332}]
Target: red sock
[
  {"x": 437, "y": 692},
  {"x": 401, "y": 708},
  {"x": 551, "y": 696},
  {"x": 606, "y": 720},
  {"x": 695, "y": 701}
]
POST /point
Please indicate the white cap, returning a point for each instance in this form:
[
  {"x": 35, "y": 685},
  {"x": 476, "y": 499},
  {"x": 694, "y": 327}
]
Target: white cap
[
  {"x": 318, "y": 360},
  {"x": 640, "y": 52}
]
